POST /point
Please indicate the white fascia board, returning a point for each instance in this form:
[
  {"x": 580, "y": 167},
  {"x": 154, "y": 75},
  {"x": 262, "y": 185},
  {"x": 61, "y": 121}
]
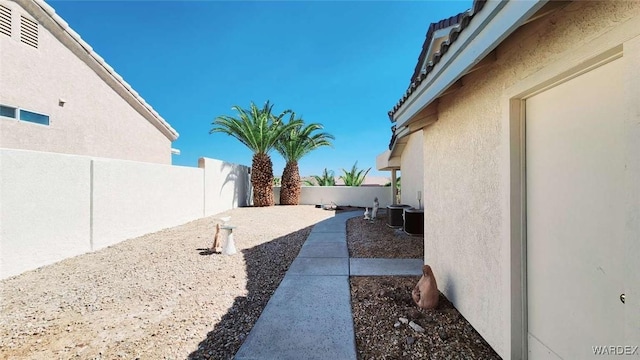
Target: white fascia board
[
  {"x": 399, "y": 135},
  {"x": 436, "y": 35},
  {"x": 402, "y": 132},
  {"x": 488, "y": 28}
]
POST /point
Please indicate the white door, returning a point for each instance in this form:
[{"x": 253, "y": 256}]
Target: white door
[{"x": 575, "y": 169}]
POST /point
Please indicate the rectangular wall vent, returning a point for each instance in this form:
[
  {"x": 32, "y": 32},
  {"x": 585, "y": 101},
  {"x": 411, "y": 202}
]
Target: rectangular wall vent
[
  {"x": 5, "y": 20},
  {"x": 29, "y": 32}
]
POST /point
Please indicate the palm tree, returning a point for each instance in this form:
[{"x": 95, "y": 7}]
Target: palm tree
[
  {"x": 295, "y": 143},
  {"x": 259, "y": 130},
  {"x": 328, "y": 178},
  {"x": 354, "y": 177}
]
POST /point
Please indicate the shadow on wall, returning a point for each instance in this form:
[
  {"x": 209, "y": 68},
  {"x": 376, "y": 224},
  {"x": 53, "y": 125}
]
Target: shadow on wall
[
  {"x": 240, "y": 181},
  {"x": 450, "y": 290},
  {"x": 266, "y": 265}
]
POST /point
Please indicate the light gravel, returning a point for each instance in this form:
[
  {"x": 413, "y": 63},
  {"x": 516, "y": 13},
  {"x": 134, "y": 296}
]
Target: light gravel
[{"x": 159, "y": 296}]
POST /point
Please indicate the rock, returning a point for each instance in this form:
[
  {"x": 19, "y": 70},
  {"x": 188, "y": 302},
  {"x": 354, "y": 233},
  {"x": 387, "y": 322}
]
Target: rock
[
  {"x": 443, "y": 335},
  {"x": 410, "y": 340},
  {"x": 397, "y": 324},
  {"x": 403, "y": 320},
  {"x": 416, "y": 327},
  {"x": 415, "y": 314}
]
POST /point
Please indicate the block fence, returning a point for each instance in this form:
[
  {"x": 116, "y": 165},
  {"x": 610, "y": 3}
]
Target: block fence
[
  {"x": 54, "y": 206},
  {"x": 342, "y": 195}
]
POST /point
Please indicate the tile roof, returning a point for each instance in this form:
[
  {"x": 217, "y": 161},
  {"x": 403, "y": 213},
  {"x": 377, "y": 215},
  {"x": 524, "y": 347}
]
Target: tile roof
[{"x": 457, "y": 23}]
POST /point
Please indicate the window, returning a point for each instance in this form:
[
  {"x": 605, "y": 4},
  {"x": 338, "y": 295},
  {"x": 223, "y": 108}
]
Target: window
[
  {"x": 8, "y": 111},
  {"x": 34, "y": 117},
  {"x": 5, "y": 20},
  {"x": 24, "y": 115}
]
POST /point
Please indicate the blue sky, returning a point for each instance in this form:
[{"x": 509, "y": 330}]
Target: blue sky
[{"x": 342, "y": 64}]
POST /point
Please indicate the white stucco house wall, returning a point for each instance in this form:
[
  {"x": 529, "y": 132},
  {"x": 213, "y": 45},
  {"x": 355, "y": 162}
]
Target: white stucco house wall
[
  {"x": 58, "y": 95},
  {"x": 529, "y": 118},
  {"x": 406, "y": 156}
]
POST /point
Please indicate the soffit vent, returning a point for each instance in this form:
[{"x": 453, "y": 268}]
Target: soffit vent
[
  {"x": 5, "y": 20},
  {"x": 29, "y": 32}
]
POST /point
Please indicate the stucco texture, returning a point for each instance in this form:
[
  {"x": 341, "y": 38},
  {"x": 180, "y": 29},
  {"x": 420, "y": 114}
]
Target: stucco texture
[
  {"x": 44, "y": 211},
  {"x": 94, "y": 120},
  {"x": 465, "y": 187},
  {"x": 131, "y": 199},
  {"x": 412, "y": 171}
]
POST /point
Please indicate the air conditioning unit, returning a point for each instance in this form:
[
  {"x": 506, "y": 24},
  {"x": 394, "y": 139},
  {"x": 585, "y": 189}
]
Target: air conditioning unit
[
  {"x": 394, "y": 215},
  {"x": 414, "y": 221}
]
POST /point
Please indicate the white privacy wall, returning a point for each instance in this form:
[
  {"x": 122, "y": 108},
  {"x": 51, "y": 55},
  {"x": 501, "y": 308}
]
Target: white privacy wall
[
  {"x": 342, "y": 195},
  {"x": 132, "y": 199},
  {"x": 226, "y": 185},
  {"x": 44, "y": 207},
  {"x": 54, "y": 206}
]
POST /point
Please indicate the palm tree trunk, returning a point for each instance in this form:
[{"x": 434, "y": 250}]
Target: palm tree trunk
[
  {"x": 290, "y": 189},
  {"x": 262, "y": 180}
]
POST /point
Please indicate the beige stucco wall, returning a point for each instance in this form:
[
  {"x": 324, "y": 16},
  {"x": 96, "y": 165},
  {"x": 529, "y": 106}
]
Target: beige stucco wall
[
  {"x": 466, "y": 170},
  {"x": 94, "y": 121},
  {"x": 412, "y": 170}
]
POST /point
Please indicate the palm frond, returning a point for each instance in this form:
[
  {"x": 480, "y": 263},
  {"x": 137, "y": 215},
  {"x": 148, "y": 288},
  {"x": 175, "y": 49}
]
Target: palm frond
[
  {"x": 354, "y": 177},
  {"x": 257, "y": 128},
  {"x": 301, "y": 139}
]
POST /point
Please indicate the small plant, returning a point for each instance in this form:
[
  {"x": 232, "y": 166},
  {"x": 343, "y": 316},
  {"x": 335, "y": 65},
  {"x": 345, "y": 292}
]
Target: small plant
[
  {"x": 354, "y": 177},
  {"x": 327, "y": 179},
  {"x": 276, "y": 181}
]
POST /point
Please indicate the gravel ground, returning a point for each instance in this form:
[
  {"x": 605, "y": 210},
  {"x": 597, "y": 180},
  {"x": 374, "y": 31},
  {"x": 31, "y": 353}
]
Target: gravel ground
[
  {"x": 164, "y": 296},
  {"x": 389, "y": 242},
  {"x": 159, "y": 296},
  {"x": 383, "y": 313},
  {"x": 383, "y": 308}
]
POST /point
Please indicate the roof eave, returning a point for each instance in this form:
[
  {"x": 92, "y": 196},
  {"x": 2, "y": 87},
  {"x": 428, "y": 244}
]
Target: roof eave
[
  {"x": 63, "y": 32},
  {"x": 489, "y": 28}
]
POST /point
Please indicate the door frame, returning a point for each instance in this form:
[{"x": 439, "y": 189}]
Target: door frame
[{"x": 618, "y": 43}]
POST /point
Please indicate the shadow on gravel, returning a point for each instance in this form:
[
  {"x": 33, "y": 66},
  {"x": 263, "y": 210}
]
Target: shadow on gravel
[
  {"x": 266, "y": 266},
  {"x": 205, "y": 252}
]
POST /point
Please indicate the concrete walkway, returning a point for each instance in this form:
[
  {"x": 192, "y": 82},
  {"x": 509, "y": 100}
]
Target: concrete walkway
[{"x": 309, "y": 315}]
